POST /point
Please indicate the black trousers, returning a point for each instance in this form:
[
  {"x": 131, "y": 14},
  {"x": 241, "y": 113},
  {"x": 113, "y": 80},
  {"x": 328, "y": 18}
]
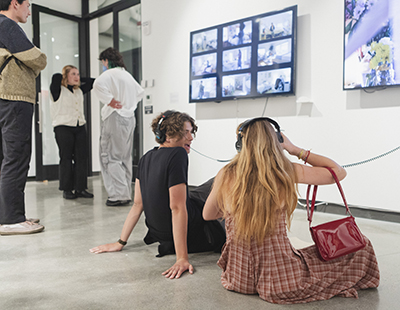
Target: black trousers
[
  {"x": 72, "y": 148},
  {"x": 214, "y": 231},
  {"x": 15, "y": 155}
]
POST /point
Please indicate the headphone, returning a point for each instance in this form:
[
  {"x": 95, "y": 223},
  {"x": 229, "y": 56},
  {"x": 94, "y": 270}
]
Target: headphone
[
  {"x": 238, "y": 144},
  {"x": 161, "y": 134}
]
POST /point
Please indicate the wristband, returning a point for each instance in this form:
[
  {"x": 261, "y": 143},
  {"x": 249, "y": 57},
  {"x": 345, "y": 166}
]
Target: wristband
[
  {"x": 122, "y": 242},
  {"x": 308, "y": 154}
]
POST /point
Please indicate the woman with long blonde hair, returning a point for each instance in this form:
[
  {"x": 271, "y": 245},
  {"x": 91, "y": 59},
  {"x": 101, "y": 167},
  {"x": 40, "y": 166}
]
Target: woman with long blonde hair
[{"x": 256, "y": 193}]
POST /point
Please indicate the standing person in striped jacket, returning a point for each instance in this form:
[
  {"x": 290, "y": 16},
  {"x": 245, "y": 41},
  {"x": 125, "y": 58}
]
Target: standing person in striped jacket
[{"x": 20, "y": 63}]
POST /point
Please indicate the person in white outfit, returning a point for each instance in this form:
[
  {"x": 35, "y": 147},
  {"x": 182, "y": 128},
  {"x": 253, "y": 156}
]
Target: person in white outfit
[{"x": 120, "y": 93}]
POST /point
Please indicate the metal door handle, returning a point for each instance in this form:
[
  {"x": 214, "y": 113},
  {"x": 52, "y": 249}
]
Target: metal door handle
[{"x": 39, "y": 102}]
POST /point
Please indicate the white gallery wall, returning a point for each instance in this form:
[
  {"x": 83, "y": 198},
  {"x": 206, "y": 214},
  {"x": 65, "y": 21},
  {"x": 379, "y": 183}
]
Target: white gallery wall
[{"x": 348, "y": 126}]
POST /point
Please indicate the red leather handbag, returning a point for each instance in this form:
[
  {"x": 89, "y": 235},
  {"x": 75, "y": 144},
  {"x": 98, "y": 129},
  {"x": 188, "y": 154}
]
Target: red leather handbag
[{"x": 337, "y": 238}]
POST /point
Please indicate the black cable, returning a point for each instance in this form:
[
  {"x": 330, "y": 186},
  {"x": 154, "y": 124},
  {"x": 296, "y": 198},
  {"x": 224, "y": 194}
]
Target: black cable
[{"x": 374, "y": 89}]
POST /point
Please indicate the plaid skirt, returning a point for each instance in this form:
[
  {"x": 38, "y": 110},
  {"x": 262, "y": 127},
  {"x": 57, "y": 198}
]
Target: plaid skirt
[{"x": 283, "y": 275}]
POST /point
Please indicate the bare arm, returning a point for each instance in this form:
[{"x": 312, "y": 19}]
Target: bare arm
[
  {"x": 129, "y": 225},
  {"x": 317, "y": 174},
  {"x": 177, "y": 196},
  {"x": 211, "y": 210}
]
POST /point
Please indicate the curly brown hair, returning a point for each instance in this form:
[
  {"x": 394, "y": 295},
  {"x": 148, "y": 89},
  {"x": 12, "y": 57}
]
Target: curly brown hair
[
  {"x": 173, "y": 124},
  {"x": 115, "y": 58}
]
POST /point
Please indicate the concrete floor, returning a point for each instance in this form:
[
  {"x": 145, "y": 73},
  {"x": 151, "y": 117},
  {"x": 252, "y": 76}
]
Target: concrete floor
[{"x": 55, "y": 270}]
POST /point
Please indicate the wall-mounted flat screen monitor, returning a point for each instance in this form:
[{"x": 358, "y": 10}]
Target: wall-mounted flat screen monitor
[
  {"x": 247, "y": 58},
  {"x": 371, "y": 44}
]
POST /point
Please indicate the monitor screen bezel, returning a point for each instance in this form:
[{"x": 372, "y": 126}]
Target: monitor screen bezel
[{"x": 207, "y": 48}]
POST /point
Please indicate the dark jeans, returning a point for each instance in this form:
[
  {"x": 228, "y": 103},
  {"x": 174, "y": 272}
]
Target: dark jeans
[
  {"x": 15, "y": 150},
  {"x": 72, "y": 147}
]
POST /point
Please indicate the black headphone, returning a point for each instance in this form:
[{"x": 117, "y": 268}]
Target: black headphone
[
  {"x": 238, "y": 144},
  {"x": 161, "y": 134}
]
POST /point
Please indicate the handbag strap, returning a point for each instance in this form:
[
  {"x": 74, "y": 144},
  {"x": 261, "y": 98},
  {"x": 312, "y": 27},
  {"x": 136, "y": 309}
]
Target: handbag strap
[{"x": 310, "y": 210}]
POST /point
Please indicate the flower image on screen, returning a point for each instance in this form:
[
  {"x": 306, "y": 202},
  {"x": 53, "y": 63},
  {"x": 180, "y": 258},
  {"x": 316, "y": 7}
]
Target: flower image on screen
[
  {"x": 237, "y": 34},
  {"x": 236, "y": 85},
  {"x": 370, "y": 44},
  {"x": 273, "y": 81},
  {"x": 236, "y": 59},
  {"x": 276, "y": 26},
  {"x": 204, "y": 88},
  {"x": 205, "y": 64},
  {"x": 276, "y": 52},
  {"x": 205, "y": 41}
]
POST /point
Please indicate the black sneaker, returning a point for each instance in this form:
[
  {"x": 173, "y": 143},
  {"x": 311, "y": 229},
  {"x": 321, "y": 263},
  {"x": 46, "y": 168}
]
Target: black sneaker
[
  {"x": 117, "y": 203},
  {"x": 84, "y": 194},
  {"x": 69, "y": 195}
]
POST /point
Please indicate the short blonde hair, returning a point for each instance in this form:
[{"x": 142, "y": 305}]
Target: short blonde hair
[{"x": 65, "y": 72}]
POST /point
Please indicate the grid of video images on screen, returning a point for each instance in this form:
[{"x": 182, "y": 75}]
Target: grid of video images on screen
[{"x": 248, "y": 58}]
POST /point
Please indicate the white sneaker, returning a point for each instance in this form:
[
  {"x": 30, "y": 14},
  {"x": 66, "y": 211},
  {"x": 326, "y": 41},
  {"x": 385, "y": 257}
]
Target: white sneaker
[{"x": 22, "y": 228}]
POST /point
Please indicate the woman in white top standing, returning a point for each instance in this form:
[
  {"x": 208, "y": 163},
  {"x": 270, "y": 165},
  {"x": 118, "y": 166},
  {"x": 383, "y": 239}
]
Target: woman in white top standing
[
  {"x": 70, "y": 132},
  {"x": 120, "y": 93}
]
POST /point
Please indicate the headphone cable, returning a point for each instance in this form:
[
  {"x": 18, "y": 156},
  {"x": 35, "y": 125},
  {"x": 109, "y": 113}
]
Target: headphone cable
[
  {"x": 265, "y": 107},
  {"x": 344, "y": 166},
  {"x": 219, "y": 160},
  {"x": 371, "y": 159}
]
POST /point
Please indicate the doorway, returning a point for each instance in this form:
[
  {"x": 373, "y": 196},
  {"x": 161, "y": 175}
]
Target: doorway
[
  {"x": 65, "y": 40},
  {"x": 57, "y": 34},
  {"x": 118, "y": 26}
]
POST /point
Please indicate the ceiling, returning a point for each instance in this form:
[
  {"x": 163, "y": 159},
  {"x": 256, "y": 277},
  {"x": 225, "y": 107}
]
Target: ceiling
[
  {"x": 73, "y": 7},
  {"x": 128, "y": 19}
]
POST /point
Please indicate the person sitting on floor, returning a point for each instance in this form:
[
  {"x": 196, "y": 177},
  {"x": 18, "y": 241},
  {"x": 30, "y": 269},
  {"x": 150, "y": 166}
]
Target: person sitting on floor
[
  {"x": 256, "y": 194},
  {"x": 173, "y": 213}
]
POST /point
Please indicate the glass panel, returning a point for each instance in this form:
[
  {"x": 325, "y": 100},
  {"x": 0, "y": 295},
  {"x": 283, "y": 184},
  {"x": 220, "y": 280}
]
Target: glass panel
[
  {"x": 101, "y": 37},
  {"x": 129, "y": 25},
  {"x": 130, "y": 39},
  {"x": 130, "y": 46},
  {"x": 105, "y": 32},
  {"x": 59, "y": 41},
  {"x": 94, "y": 5}
]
